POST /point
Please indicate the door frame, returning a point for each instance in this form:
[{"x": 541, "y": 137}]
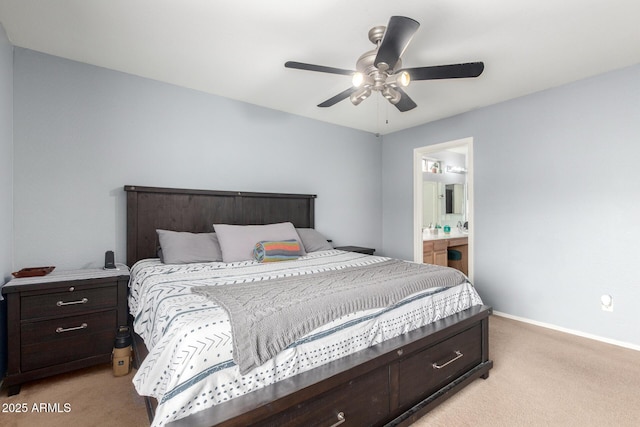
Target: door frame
[{"x": 418, "y": 154}]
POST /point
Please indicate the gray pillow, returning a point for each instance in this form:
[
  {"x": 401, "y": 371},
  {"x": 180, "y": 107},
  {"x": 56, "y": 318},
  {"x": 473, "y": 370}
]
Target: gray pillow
[
  {"x": 312, "y": 240},
  {"x": 237, "y": 241},
  {"x": 181, "y": 247}
]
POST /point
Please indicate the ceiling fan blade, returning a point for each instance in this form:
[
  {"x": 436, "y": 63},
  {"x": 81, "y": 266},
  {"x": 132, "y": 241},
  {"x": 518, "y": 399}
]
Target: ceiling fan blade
[
  {"x": 319, "y": 68},
  {"x": 454, "y": 71},
  {"x": 396, "y": 38},
  {"x": 339, "y": 97},
  {"x": 405, "y": 103}
]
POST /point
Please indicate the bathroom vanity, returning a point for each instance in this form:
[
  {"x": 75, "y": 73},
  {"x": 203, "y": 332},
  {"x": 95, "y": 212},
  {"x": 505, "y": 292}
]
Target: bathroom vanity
[{"x": 435, "y": 248}]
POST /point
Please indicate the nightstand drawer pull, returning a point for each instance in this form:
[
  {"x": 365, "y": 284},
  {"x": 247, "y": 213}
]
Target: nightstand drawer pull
[
  {"x": 60, "y": 330},
  {"x": 341, "y": 419},
  {"x": 458, "y": 356},
  {"x": 82, "y": 301}
]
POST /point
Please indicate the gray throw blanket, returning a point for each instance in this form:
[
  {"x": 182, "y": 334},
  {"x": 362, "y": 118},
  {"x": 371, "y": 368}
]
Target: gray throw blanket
[{"x": 267, "y": 316}]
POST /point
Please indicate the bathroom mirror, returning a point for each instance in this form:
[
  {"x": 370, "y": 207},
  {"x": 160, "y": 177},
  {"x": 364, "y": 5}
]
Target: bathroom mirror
[
  {"x": 453, "y": 197},
  {"x": 443, "y": 203}
]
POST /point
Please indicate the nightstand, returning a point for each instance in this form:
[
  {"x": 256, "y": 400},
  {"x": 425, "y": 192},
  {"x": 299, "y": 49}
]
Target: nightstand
[
  {"x": 63, "y": 321},
  {"x": 359, "y": 249}
]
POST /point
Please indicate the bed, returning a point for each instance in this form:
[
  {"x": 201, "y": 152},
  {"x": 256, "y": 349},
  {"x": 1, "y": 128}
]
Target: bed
[{"x": 391, "y": 377}]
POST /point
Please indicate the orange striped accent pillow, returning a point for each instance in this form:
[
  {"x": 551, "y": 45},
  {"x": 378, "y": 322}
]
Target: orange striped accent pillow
[{"x": 273, "y": 251}]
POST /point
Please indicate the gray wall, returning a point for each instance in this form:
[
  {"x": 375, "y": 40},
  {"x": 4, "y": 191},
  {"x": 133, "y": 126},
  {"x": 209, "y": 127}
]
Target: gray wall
[
  {"x": 6, "y": 155},
  {"x": 6, "y": 178},
  {"x": 555, "y": 179},
  {"x": 557, "y": 202},
  {"x": 83, "y": 132}
]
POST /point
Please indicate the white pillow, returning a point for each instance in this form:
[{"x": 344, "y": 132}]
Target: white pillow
[
  {"x": 181, "y": 247},
  {"x": 313, "y": 241},
  {"x": 237, "y": 241}
]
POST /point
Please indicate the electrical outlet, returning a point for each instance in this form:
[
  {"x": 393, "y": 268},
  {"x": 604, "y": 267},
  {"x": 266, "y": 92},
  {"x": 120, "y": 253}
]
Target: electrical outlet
[{"x": 607, "y": 302}]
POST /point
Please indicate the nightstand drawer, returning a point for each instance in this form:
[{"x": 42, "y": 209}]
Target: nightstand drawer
[
  {"x": 50, "y": 342},
  {"x": 73, "y": 300}
]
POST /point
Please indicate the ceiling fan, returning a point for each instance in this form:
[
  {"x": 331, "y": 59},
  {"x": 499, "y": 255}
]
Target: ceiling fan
[{"x": 381, "y": 69}]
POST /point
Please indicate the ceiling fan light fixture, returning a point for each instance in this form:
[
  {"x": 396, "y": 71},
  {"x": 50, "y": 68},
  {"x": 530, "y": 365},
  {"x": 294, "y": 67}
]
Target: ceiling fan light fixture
[
  {"x": 405, "y": 79},
  {"x": 357, "y": 80},
  {"x": 361, "y": 80},
  {"x": 401, "y": 79},
  {"x": 392, "y": 95},
  {"x": 360, "y": 95}
]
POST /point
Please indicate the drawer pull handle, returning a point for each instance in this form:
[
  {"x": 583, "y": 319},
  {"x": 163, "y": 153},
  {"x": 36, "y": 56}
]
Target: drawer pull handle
[
  {"x": 458, "y": 356},
  {"x": 82, "y": 301},
  {"x": 341, "y": 419},
  {"x": 60, "y": 330}
]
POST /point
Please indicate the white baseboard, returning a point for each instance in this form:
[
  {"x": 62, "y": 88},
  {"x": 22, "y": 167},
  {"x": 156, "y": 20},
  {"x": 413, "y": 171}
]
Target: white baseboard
[{"x": 569, "y": 331}]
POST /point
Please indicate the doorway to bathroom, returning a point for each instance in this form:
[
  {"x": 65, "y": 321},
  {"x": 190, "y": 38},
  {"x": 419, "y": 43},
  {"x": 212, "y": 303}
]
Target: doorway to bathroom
[{"x": 443, "y": 193}]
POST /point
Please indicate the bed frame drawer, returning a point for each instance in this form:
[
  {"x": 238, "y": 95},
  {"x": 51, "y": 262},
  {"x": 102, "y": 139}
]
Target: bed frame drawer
[
  {"x": 360, "y": 402},
  {"x": 423, "y": 373},
  {"x": 71, "y": 300}
]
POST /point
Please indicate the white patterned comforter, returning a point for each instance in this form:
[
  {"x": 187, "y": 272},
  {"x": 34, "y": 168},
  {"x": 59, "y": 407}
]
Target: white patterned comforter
[{"x": 190, "y": 363}]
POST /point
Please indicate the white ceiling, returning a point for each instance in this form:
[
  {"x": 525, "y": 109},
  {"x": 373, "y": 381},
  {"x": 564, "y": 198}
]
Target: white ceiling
[{"x": 237, "y": 48}]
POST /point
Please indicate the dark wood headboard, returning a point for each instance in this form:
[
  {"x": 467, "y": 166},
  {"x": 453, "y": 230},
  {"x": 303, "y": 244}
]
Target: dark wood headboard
[{"x": 151, "y": 208}]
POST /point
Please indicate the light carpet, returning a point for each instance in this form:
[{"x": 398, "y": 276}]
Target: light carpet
[
  {"x": 86, "y": 397},
  {"x": 543, "y": 377}
]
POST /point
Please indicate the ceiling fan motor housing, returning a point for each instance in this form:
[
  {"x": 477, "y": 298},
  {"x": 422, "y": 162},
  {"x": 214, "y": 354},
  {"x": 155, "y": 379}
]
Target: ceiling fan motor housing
[{"x": 368, "y": 77}]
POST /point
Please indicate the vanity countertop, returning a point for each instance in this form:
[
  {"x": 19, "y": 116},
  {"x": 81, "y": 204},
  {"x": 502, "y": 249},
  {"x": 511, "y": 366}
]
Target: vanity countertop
[{"x": 455, "y": 234}]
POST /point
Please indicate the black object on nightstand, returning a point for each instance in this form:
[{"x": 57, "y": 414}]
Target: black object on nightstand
[
  {"x": 64, "y": 321},
  {"x": 359, "y": 249}
]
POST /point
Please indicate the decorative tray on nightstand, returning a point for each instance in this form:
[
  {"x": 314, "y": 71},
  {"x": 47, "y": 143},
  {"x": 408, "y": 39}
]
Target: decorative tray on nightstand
[{"x": 33, "y": 272}]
